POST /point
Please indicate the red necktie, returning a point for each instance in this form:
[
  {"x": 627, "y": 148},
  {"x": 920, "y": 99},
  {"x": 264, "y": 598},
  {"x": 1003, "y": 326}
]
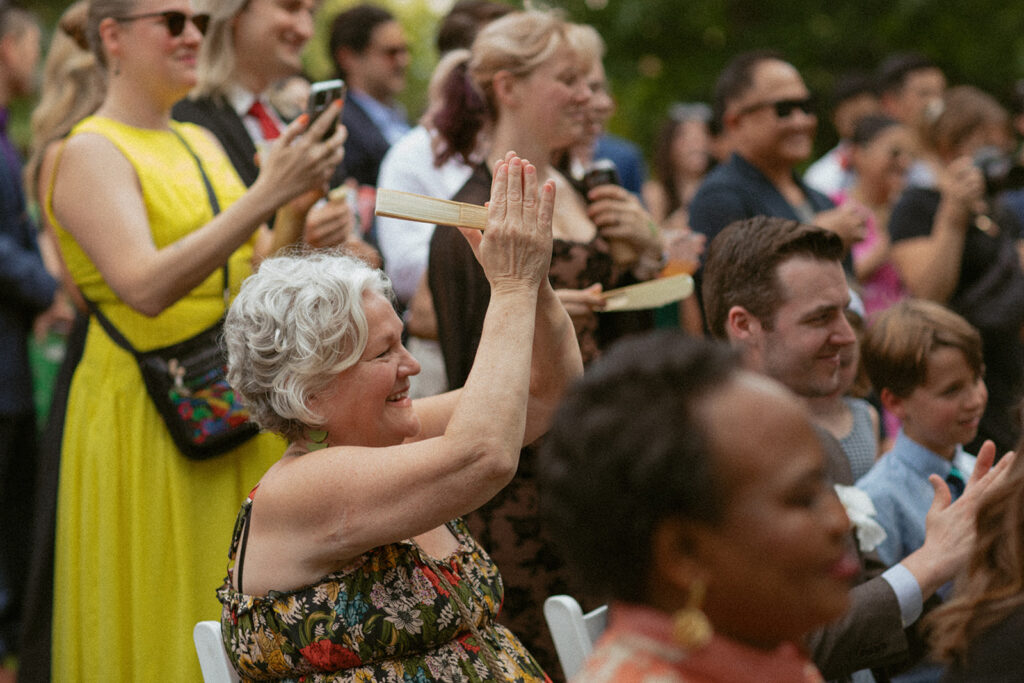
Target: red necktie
[{"x": 267, "y": 125}]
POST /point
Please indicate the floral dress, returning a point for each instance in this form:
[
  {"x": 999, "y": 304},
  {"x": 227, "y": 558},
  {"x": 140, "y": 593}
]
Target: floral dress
[{"x": 387, "y": 616}]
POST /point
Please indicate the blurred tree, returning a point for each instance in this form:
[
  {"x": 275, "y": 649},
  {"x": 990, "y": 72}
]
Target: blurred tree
[{"x": 661, "y": 51}]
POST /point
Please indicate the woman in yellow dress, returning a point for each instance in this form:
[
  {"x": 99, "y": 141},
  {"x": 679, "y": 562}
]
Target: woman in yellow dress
[{"x": 140, "y": 528}]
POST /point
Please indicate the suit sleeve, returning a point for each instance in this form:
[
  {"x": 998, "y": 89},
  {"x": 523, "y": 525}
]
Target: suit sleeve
[
  {"x": 869, "y": 635},
  {"x": 23, "y": 276}
]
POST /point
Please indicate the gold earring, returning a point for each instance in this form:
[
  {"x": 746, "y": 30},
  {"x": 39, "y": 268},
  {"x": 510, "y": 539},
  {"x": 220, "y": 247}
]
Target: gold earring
[
  {"x": 317, "y": 439},
  {"x": 690, "y": 626}
]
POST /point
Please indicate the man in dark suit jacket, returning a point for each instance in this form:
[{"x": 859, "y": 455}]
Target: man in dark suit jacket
[
  {"x": 775, "y": 289},
  {"x": 370, "y": 52},
  {"x": 26, "y": 291},
  {"x": 251, "y": 45}
]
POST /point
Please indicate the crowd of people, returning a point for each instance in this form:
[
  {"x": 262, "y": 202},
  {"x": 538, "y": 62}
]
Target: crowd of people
[{"x": 805, "y": 471}]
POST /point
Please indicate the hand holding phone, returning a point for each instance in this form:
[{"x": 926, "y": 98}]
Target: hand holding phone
[{"x": 321, "y": 95}]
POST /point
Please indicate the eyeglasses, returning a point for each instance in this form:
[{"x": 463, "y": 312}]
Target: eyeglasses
[
  {"x": 783, "y": 108},
  {"x": 174, "y": 21}
]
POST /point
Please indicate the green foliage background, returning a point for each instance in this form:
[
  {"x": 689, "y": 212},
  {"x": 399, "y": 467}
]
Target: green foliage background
[{"x": 661, "y": 51}]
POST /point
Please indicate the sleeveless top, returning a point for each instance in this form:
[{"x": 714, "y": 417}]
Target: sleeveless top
[
  {"x": 174, "y": 209},
  {"x": 861, "y": 444},
  {"x": 386, "y": 616}
]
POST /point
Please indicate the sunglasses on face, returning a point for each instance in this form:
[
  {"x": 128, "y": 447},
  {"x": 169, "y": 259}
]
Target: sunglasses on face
[
  {"x": 783, "y": 108},
  {"x": 174, "y": 21}
]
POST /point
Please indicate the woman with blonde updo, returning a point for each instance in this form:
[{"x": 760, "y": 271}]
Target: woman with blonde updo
[{"x": 525, "y": 81}]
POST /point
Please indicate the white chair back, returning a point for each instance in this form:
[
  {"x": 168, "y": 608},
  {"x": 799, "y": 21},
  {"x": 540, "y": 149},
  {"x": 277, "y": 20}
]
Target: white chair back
[
  {"x": 213, "y": 660},
  {"x": 573, "y": 631}
]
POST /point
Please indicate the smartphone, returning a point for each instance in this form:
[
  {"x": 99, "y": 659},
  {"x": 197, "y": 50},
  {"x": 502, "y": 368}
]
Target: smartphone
[{"x": 321, "y": 95}]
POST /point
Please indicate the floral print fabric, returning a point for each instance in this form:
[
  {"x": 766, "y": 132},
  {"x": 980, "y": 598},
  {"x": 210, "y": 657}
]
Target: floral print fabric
[{"x": 385, "y": 617}]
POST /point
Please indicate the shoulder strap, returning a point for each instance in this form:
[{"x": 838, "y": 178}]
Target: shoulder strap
[
  {"x": 211, "y": 196},
  {"x": 240, "y": 536},
  {"x": 108, "y": 326}
]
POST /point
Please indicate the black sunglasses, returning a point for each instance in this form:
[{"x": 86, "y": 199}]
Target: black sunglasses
[
  {"x": 174, "y": 21},
  {"x": 783, "y": 108}
]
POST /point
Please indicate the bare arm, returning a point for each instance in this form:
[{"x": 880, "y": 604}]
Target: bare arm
[
  {"x": 507, "y": 397},
  {"x": 930, "y": 266},
  {"x": 97, "y": 198}
]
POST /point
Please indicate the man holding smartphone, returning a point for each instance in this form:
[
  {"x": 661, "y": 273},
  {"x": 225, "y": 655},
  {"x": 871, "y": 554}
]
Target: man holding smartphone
[{"x": 250, "y": 45}]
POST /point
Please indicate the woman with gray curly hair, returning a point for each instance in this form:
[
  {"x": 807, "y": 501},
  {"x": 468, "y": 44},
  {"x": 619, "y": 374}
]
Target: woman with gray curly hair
[{"x": 356, "y": 563}]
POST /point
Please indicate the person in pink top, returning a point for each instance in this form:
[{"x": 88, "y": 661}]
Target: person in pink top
[{"x": 881, "y": 153}]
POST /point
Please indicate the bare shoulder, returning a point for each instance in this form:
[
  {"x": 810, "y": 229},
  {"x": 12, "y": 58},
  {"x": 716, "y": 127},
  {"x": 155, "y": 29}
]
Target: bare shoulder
[{"x": 89, "y": 151}]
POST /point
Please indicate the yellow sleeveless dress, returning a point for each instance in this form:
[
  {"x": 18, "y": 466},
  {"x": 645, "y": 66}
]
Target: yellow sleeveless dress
[{"x": 142, "y": 531}]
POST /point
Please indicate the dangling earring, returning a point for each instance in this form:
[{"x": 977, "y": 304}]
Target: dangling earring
[
  {"x": 316, "y": 439},
  {"x": 117, "y": 67},
  {"x": 690, "y": 626}
]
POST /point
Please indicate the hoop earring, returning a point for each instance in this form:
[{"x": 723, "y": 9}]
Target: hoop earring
[
  {"x": 316, "y": 439},
  {"x": 690, "y": 626}
]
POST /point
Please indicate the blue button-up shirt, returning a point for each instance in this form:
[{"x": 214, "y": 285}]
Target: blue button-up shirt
[{"x": 899, "y": 488}]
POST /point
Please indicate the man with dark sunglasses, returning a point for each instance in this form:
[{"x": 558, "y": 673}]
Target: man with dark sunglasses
[{"x": 768, "y": 116}]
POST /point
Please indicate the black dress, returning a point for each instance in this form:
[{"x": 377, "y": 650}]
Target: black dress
[{"x": 509, "y": 525}]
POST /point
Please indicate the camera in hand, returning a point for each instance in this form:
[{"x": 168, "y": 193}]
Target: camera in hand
[{"x": 1001, "y": 171}]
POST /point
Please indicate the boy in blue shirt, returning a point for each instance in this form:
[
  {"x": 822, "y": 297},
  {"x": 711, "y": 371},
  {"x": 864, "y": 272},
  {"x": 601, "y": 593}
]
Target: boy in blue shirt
[{"x": 926, "y": 364}]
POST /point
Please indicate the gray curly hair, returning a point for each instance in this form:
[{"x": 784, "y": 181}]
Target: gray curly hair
[{"x": 293, "y": 327}]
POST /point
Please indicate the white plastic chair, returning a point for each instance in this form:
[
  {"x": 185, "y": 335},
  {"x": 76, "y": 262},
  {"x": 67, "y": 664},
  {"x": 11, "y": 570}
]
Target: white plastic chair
[
  {"x": 573, "y": 631},
  {"x": 213, "y": 660}
]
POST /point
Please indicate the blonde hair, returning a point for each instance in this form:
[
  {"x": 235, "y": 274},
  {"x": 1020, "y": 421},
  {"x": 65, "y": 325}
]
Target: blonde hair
[
  {"x": 99, "y": 10},
  {"x": 217, "y": 63},
  {"x": 518, "y": 43},
  {"x": 73, "y": 86}
]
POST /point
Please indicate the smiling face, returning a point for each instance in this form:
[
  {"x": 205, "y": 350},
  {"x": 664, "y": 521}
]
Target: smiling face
[
  {"x": 762, "y": 136},
  {"x": 380, "y": 68},
  {"x": 882, "y": 164},
  {"x": 801, "y": 346},
  {"x": 778, "y": 562},
  {"x": 269, "y": 37},
  {"x": 945, "y": 410},
  {"x": 148, "y": 55},
  {"x": 553, "y": 98},
  {"x": 368, "y": 404}
]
